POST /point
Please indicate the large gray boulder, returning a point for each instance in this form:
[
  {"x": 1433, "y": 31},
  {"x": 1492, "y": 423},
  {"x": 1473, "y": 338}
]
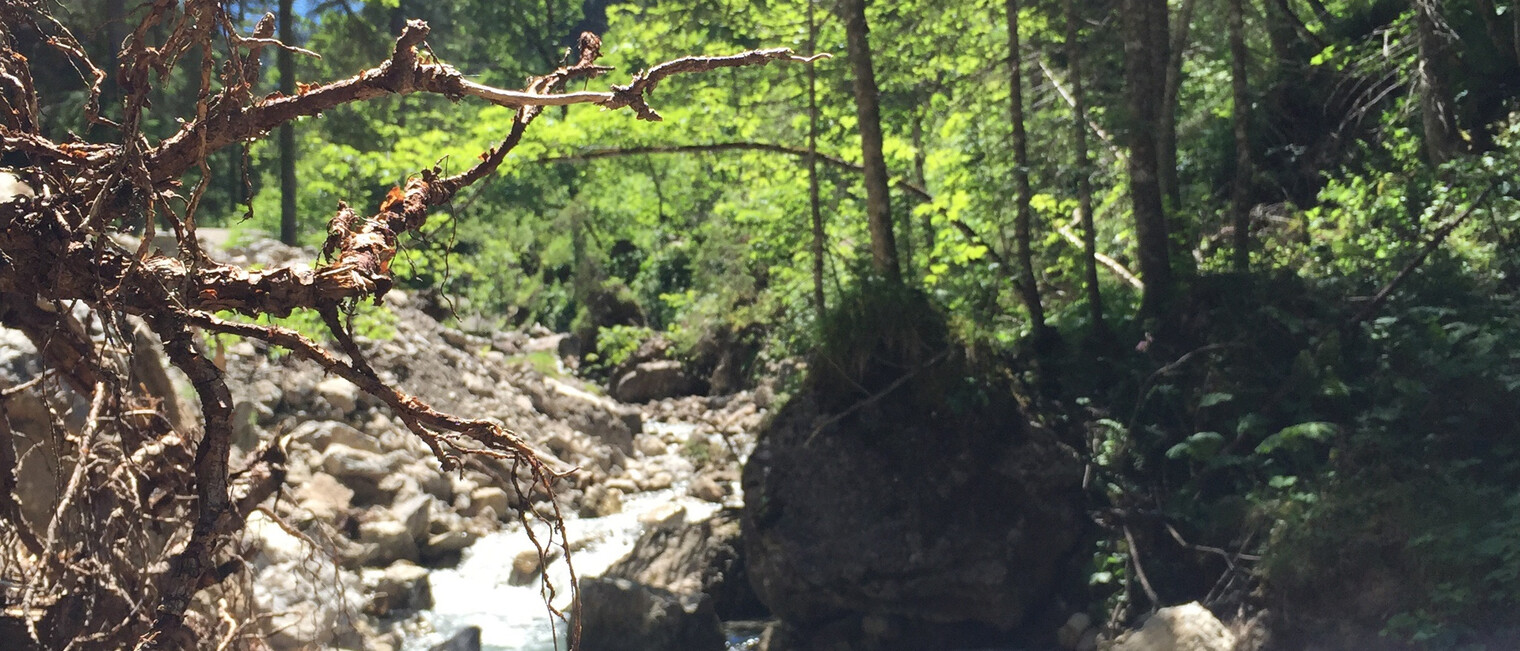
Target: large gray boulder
[
  {"x": 304, "y": 598},
  {"x": 597, "y": 416},
  {"x": 401, "y": 587},
  {"x": 902, "y": 519},
  {"x": 1188, "y": 627},
  {"x": 653, "y": 380},
  {"x": 467, "y": 639},
  {"x": 695, "y": 557},
  {"x": 620, "y": 615}
]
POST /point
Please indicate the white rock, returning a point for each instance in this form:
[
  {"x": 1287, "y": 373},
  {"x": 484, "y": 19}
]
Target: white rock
[
  {"x": 402, "y": 586},
  {"x": 704, "y": 488},
  {"x": 339, "y": 393},
  {"x": 601, "y": 501},
  {"x": 391, "y": 539},
  {"x": 273, "y": 543},
  {"x": 1071, "y": 633},
  {"x": 489, "y": 497},
  {"x": 321, "y": 433},
  {"x": 1189, "y": 627},
  {"x": 324, "y": 497},
  {"x": 344, "y": 462},
  {"x": 649, "y": 445},
  {"x": 665, "y": 515},
  {"x": 659, "y": 481}
]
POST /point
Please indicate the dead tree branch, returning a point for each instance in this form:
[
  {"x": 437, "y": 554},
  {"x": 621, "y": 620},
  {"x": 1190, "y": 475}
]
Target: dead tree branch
[{"x": 55, "y": 254}]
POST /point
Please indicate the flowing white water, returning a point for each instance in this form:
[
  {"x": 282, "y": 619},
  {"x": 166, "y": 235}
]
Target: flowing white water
[{"x": 513, "y": 618}]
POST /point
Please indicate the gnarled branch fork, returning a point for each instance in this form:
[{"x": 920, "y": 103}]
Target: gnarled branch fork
[{"x": 54, "y": 244}]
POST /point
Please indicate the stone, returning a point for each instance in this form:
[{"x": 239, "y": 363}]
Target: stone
[
  {"x": 319, "y": 434},
  {"x": 1071, "y": 632},
  {"x": 450, "y": 541},
  {"x": 653, "y": 380},
  {"x": 403, "y": 586},
  {"x": 620, "y": 615},
  {"x": 324, "y": 497},
  {"x": 272, "y": 543},
  {"x": 1088, "y": 641},
  {"x": 463, "y": 340},
  {"x": 340, "y": 393},
  {"x": 705, "y": 489},
  {"x": 1188, "y": 627},
  {"x": 467, "y": 639},
  {"x": 489, "y": 497},
  {"x": 345, "y": 434},
  {"x": 363, "y": 472},
  {"x": 303, "y": 603},
  {"x": 245, "y": 431},
  {"x": 345, "y": 463},
  {"x": 391, "y": 539},
  {"x": 627, "y": 486},
  {"x": 765, "y": 396},
  {"x": 947, "y": 519},
  {"x": 667, "y": 515},
  {"x": 695, "y": 557},
  {"x": 597, "y": 416},
  {"x": 659, "y": 481},
  {"x": 562, "y": 344},
  {"x": 529, "y": 563},
  {"x": 415, "y": 513},
  {"x": 600, "y": 501},
  {"x": 431, "y": 481},
  {"x": 650, "y": 445}
]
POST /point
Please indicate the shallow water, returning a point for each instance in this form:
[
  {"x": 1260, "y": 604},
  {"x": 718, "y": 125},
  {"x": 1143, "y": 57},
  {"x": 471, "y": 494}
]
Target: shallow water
[{"x": 514, "y": 618}]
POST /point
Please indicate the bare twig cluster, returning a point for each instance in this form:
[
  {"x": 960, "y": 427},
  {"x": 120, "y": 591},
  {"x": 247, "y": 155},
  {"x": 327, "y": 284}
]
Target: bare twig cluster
[{"x": 143, "y": 523}]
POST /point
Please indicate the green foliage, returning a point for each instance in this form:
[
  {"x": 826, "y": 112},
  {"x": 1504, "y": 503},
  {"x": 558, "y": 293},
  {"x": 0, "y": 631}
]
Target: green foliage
[
  {"x": 544, "y": 361},
  {"x": 366, "y": 322},
  {"x": 878, "y": 332},
  {"x": 616, "y": 344},
  {"x": 1253, "y": 406}
]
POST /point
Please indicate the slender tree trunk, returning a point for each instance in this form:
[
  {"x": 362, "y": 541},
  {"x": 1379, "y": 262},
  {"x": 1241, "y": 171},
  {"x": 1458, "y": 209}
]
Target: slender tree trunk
[
  {"x": 1495, "y": 31},
  {"x": 115, "y": 31},
  {"x": 1514, "y": 33},
  {"x": 1320, "y": 12},
  {"x": 868, "y": 111},
  {"x": 1084, "y": 173},
  {"x": 287, "y": 64},
  {"x": 1029, "y": 291},
  {"x": 1240, "y": 90},
  {"x": 813, "y": 202},
  {"x": 1171, "y": 184},
  {"x": 905, "y": 256},
  {"x": 1280, "y": 34},
  {"x": 1145, "y": 75},
  {"x": 1436, "y": 111},
  {"x": 926, "y": 221}
]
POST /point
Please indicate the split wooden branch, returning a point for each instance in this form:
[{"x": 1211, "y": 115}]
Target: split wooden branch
[{"x": 404, "y": 73}]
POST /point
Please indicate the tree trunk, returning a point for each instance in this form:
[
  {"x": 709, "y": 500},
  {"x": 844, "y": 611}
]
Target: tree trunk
[
  {"x": 926, "y": 220},
  {"x": 115, "y": 31},
  {"x": 868, "y": 111},
  {"x": 813, "y": 202},
  {"x": 1437, "y": 114},
  {"x": 1029, "y": 291},
  {"x": 1171, "y": 185},
  {"x": 1145, "y": 74},
  {"x": 1084, "y": 173},
  {"x": 287, "y": 64},
  {"x": 1240, "y": 90}
]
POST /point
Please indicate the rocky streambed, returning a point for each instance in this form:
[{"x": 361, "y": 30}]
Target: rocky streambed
[
  {"x": 373, "y": 547},
  {"x": 913, "y": 523}
]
